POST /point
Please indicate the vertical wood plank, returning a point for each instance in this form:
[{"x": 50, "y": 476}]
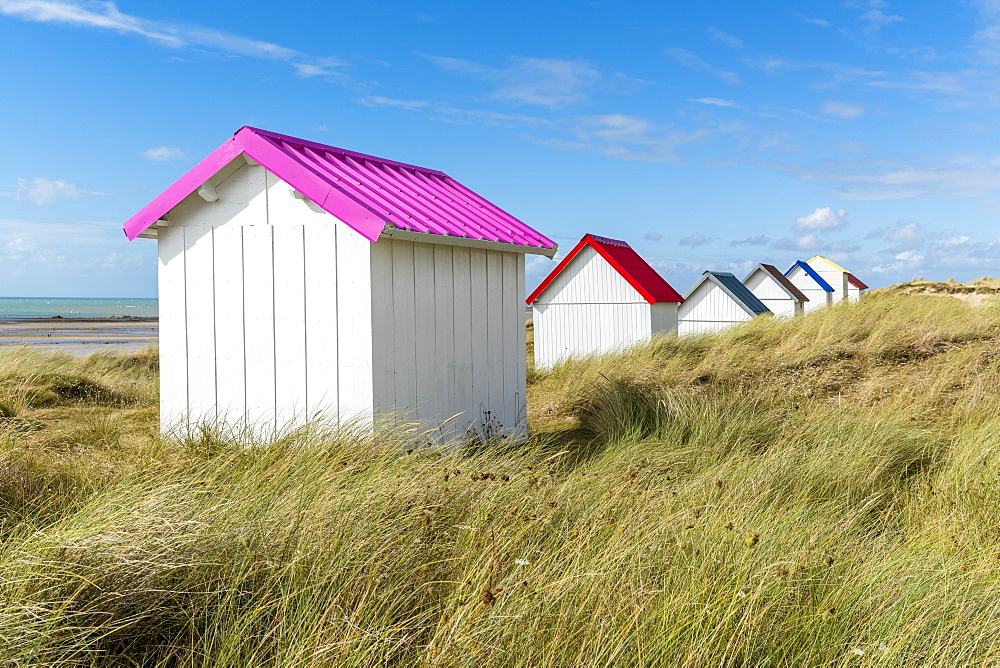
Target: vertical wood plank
[
  {"x": 444, "y": 327},
  {"x": 465, "y": 402},
  {"x": 173, "y": 328},
  {"x": 289, "y": 326},
  {"x": 428, "y": 410},
  {"x": 200, "y": 292},
  {"x": 522, "y": 352},
  {"x": 480, "y": 351},
  {"x": 258, "y": 299},
  {"x": 354, "y": 325},
  {"x": 322, "y": 351},
  {"x": 230, "y": 355},
  {"x": 404, "y": 331},
  {"x": 512, "y": 325},
  {"x": 494, "y": 336},
  {"x": 383, "y": 350}
]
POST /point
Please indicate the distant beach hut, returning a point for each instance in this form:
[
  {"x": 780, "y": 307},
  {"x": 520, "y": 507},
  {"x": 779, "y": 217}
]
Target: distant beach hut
[
  {"x": 846, "y": 286},
  {"x": 601, "y": 297},
  {"x": 776, "y": 292},
  {"x": 811, "y": 284},
  {"x": 856, "y": 289},
  {"x": 717, "y": 302},
  {"x": 298, "y": 279}
]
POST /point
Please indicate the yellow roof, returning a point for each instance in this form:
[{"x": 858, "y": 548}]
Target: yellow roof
[{"x": 820, "y": 257}]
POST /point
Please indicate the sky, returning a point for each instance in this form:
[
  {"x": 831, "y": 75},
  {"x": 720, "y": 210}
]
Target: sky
[{"x": 708, "y": 135}]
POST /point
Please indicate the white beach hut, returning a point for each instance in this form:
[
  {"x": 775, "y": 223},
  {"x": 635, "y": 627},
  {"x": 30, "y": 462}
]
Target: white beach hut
[
  {"x": 776, "y": 292},
  {"x": 717, "y": 302},
  {"x": 811, "y": 284},
  {"x": 298, "y": 279},
  {"x": 846, "y": 286},
  {"x": 601, "y": 297}
]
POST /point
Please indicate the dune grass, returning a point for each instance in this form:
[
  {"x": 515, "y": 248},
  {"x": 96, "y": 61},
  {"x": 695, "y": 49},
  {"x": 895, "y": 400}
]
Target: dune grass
[{"x": 822, "y": 491}]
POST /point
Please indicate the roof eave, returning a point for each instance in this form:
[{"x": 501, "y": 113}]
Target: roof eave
[{"x": 391, "y": 232}]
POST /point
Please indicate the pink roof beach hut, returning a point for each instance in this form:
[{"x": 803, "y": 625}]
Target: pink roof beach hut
[
  {"x": 602, "y": 297},
  {"x": 299, "y": 280}
]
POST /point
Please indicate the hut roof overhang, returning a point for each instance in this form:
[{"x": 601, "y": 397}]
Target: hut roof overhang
[
  {"x": 370, "y": 195},
  {"x": 736, "y": 290},
  {"x": 812, "y": 273},
  {"x": 780, "y": 279},
  {"x": 625, "y": 261},
  {"x": 856, "y": 282}
]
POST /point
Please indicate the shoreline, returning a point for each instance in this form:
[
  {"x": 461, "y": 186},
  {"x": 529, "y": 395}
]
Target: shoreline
[{"x": 80, "y": 336}]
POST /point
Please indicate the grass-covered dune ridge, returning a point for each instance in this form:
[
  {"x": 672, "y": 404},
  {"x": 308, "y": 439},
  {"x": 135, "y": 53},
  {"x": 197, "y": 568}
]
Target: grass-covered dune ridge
[{"x": 820, "y": 491}]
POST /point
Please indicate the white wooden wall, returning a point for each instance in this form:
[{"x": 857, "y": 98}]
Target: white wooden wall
[
  {"x": 709, "y": 309},
  {"x": 265, "y": 309},
  {"x": 589, "y": 309},
  {"x": 448, "y": 336},
  {"x": 834, "y": 276},
  {"x": 769, "y": 291},
  {"x": 663, "y": 317},
  {"x": 853, "y": 293},
  {"x": 578, "y": 330},
  {"x": 818, "y": 297}
]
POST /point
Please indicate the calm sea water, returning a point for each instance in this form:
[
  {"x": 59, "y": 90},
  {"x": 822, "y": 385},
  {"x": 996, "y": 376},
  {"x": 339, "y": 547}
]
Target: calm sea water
[{"x": 32, "y": 307}]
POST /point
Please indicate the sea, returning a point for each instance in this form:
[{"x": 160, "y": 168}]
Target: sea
[{"x": 19, "y": 308}]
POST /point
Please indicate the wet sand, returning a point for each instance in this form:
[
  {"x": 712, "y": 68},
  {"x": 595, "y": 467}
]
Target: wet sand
[{"x": 80, "y": 336}]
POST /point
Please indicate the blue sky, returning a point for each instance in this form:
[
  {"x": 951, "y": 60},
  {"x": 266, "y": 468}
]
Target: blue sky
[{"x": 707, "y": 135}]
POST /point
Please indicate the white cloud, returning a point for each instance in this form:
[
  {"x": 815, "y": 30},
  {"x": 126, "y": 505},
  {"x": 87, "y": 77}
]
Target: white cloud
[
  {"x": 106, "y": 16},
  {"x": 688, "y": 59},
  {"x": 807, "y": 242},
  {"x": 731, "y": 41},
  {"x": 121, "y": 261},
  {"x": 912, "y": 231},
  {"x": 715, "y": 102},
  {"x": 696, "y": 239},
  {"x": 758, "y": 240},
  {"x": 822, "y": 218},
  {"x": 876, "y": 18},
  {"x": 823, "y": 23},
  {"x": 547, "y": 82},
  {"x": 910, "y": 256},
  {"x": 653, "y": 236},
  {"x": 409, "y": 105},
  {"x": 163, "y": 153},
  {"x": 840, "y": 109},
  {"x": 41, "y": 191}
]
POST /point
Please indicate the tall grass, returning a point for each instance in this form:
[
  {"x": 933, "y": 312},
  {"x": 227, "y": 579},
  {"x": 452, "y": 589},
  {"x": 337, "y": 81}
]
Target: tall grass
[{"x": 821, "y": 491}]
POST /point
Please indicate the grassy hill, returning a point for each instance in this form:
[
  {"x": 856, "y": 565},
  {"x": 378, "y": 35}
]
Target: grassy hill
[{"x": 816, "y": 491}]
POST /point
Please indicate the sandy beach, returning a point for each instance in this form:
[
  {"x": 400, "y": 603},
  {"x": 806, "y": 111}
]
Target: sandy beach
[{"x": 80, "y": 336}]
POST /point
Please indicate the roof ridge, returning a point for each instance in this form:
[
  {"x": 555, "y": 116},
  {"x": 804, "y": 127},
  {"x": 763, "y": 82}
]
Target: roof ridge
[
  {"x": 826, "y": 259},
  {"x": 335, "y": 149},
  {"x": 812, "y": 274}
]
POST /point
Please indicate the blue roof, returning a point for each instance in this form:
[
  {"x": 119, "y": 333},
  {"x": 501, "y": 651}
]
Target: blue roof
[
  {"x": 812, "y": 274},
  {"x": 738, "y": 292}
]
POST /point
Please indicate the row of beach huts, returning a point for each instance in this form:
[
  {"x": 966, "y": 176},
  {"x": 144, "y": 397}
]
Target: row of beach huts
[
  {"x": 300, "y": 281},
  {"x": 603, "y": 297}
]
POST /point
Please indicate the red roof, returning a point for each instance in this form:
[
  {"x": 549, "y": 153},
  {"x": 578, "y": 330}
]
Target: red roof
[
  {"x": 626, "y": 262},
  {"x": 856, "y": 282}
]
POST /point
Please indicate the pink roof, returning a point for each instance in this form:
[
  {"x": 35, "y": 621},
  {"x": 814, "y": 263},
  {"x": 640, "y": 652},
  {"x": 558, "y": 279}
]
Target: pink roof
[
  {"x": 365, "y": 192},
  {"x": 626, "y": 262}
]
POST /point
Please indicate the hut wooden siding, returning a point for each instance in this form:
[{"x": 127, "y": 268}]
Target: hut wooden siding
[
  {"x": 590, "y": 304},
  {"x": 776, "y": 292},
  {"x": 811, "y": 284},
  {"x": 273, "y": 311},
  {"x": 856, "y": 289},
  {"x": 715, "y": 303},
  {"x": 833, "y": 274}
]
